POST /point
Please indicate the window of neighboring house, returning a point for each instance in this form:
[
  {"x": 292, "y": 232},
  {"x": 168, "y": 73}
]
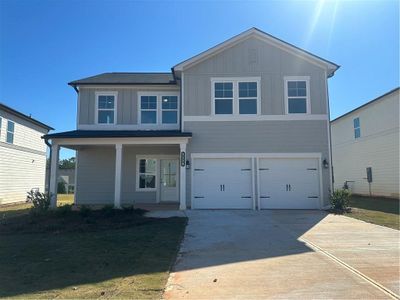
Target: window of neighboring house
[
  {"x": 223, "y": 98},
  {"x": 10, "y": 132},
  {"x": 147, "y": 170},
  {"x": 106, "y": 108},
  {"x": 169, "y": 109},
  {"x": 148, "y": 106},
  {"x": 0, "y": 127},
  {"x": 297, "y": 96},
  {"x": 357, "y": 130},
  {"x": 247, "y": 98}
]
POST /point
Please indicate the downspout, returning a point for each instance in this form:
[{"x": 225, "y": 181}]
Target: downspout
[{"x": 50, "y": 154}]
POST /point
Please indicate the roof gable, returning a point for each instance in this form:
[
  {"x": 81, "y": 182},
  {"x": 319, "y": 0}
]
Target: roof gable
[{"x": 254, "y": 32}]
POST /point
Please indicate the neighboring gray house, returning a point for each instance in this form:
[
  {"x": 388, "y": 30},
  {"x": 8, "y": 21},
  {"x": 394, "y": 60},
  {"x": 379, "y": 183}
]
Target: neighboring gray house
[
  {"x": 243, "y": 125},
  {"x": 366, "y": 140},
  {"x": 22, "y": 155}
]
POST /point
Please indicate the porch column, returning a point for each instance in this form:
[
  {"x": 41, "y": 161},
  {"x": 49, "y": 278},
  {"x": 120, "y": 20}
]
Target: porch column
[
  {"x": 118, "y": 174},
  {"x": 182, "y": 177},
  {"x": 55, "y": 152}
]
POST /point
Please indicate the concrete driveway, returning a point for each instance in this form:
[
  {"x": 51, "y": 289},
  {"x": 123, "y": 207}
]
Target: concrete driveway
[{"x": 284, "y": 254}]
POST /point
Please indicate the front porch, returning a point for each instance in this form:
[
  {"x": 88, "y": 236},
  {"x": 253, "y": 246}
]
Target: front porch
[{"x": 144, "y": 169}]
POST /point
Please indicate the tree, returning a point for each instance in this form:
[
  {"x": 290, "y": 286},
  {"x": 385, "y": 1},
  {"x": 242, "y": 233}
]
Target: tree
[{"x": 68, "y": 163}]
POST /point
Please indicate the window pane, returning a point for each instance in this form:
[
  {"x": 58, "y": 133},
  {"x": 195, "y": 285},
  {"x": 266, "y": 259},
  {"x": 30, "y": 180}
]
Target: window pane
[
  {"x": 297, "y": 88},
  {"x": 169, "y": 117},
  {"x": 292, "y": 92},
  {"x": 148, "y": 102},
  {"x": 147, "y": 181},
  {"x": 357, "y": 133},
  {"x": 301, "y": 84},
  {"x": 356, "y": 122},
  {"x": 147, "y": 166},
  {"x": 297, "y": 106},
  {"x": 223, "y": 106},
  {"x": 248, "y": 106},
  {"x": 149, "y": 117},
  {"x": 292, "y": 84},
  {"x": 10, "y": 126},
  {"x": 223, "y": 89},
  {"x": 10, "y": 137},
  {"x": 169, "y": 102},
  {"x": 106, "y": 117},
  {"x": 106, "y": 102},
  {"x": 247, "y": 89}
]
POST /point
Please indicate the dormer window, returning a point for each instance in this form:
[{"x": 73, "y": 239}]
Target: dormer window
[{"x": 106, "y": 107}]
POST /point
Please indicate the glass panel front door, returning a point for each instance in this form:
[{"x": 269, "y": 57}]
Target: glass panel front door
[{"x": 169, "y": 180}]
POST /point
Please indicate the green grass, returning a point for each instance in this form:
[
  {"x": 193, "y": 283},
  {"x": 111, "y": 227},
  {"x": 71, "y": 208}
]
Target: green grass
[
  {"x": 100, "y": 254},
  {"x": 380, "y": 211}
]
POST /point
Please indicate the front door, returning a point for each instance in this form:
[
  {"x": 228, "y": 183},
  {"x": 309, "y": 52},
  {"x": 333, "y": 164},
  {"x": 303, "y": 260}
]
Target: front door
[{"x": 169, "y": 179}]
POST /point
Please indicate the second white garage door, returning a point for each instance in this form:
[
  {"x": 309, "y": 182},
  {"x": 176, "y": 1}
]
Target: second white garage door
[
  {"x": 289, "y": 183},
  {"x": 222, "y": 183}
]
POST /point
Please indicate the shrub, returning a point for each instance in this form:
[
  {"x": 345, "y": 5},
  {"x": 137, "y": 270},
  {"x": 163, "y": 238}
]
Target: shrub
[
  {"x": 64, "y": 209},
  {"x": 40, "y": 201},
  {"x": 340, "y": 200},
  {"x": 108, "y": 210},
  {"x": 84, "y": 211}
]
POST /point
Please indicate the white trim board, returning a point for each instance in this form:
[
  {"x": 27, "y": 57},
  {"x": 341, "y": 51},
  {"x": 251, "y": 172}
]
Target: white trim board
[
  {"x": 257, "y": 155},
  {"x": 124, "y": 141},
  {"x": 289, "y": 117}
]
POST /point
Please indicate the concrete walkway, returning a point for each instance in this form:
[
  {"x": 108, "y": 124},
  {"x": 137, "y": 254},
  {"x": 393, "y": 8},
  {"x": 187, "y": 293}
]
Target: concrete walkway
[{"x": 285, "y": 255}]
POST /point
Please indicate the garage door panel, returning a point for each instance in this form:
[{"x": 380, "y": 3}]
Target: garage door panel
[
  {"x": 222, "y": 183},
  {"x": 289, "y": 183}
]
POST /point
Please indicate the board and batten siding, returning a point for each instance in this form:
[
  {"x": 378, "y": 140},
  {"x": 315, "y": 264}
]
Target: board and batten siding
[
  {"x": 127, "y": 102},
  {"x": 23, "y": 163},
  {"x": 253, "y": 58},
  {"x": 378, "y": 148},
  {"x": 96, "y": 174}
]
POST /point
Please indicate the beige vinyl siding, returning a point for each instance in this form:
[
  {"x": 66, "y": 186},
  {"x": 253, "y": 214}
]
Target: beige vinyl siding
[
  {"x": 127, "y": 105},
  {"x": 96, "y": 173},
  {"x": 378, "y": 147},
  {"x": 20, "y": 171},
  {"x": 253, "y": 58}
]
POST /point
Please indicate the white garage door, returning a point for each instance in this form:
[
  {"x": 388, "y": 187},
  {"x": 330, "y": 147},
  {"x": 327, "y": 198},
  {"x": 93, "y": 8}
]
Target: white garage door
[
  {"x": 222, "y": 183},
  {"x": 289, "y": 183}
]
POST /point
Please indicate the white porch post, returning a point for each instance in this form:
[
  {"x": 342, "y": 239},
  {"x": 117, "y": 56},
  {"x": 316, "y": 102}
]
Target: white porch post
[
  {"x": 182, "y": 178},
  {"x": 55, "y": 151},
  {"x": 118, "y": 174}
]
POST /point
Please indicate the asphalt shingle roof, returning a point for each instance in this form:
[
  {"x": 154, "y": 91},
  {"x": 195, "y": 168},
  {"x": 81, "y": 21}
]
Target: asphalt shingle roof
[{"x": 127, "y": 78}]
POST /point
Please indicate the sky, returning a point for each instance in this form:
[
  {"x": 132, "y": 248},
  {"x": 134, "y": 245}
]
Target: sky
[{"x": 46, "y": 44}]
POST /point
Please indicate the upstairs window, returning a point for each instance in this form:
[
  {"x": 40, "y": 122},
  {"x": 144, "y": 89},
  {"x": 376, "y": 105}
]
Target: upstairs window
[
  {"x": 297, "y": 95},
  {"x": 148, "y": 109},
  {"x": 106, "y": 112},
  {"x": 169, "y": 109},
  {"x": 357, "y": 129},
  {"x": 10, "y": 132},
  {"x": 236, "y": 96}
]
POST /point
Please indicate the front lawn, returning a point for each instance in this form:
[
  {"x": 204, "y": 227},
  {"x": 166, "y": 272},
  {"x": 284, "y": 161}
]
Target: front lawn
[
  {"x": 94, "y": 254},
  {"x": 380, "y": 211}
]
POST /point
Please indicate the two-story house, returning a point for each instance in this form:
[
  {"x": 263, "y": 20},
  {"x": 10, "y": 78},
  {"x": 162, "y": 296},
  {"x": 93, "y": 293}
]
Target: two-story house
[
  {"x": 365, "y": 147},
  {"x": 22, "y": 155},
  {"x": 243, "y": 125}
]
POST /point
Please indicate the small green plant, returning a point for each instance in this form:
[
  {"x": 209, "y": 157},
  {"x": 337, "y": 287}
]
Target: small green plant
[
  {"x": 64, "y": 209},
  {"x": 108, "y": 210},
  {"x": 340, "y": 200},
  {"x": 61, "y": 188},
  {"x": 85, "y": 211},
  {"x": 40, "y": 201}
]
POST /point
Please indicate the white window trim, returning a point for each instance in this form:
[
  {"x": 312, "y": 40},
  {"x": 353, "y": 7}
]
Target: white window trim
[
  {"x": 8, "y": 131},
  {"x": 159, "y": 110},
  {"x": 157, "y": 158},
  {"x": 106, "y": 93},
  {"x": 235, "y": 100},
  {"x": 308, "y": 102}
]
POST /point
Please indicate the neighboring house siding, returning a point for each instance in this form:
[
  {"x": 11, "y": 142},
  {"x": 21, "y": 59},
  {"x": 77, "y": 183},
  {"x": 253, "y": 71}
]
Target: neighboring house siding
[
  {"x": 253, "y": 58},
  {"x": 378, "y": 147},
  {"x": 22, "y": 163},
  {"x": 127, "y": 103},
  {"x": 260, "y": 137},
  {"x": 95, "y": 173}
]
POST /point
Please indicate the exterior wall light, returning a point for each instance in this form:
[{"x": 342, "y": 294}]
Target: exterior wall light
[
  {"x": 187, "y": 164},
  {"x": 325, "y": 164}
]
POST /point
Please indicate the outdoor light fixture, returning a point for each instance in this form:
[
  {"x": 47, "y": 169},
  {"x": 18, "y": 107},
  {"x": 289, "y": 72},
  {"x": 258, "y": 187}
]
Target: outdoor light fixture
[
  {"x": 187, "y": 164},
  {"x": 325, "y": 164}
]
